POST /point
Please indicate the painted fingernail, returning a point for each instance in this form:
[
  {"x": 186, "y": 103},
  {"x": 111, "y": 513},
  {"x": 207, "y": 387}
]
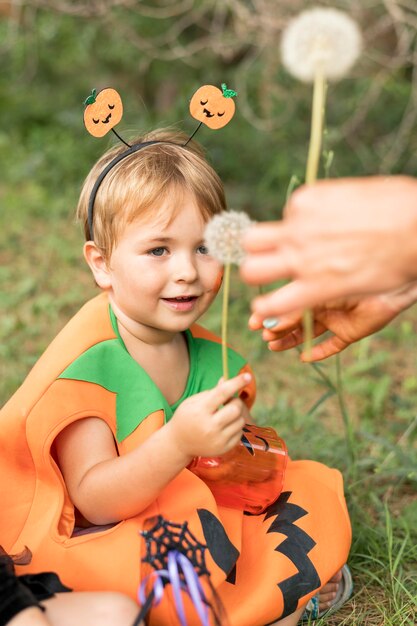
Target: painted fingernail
[{"x": 270, "y": 322}]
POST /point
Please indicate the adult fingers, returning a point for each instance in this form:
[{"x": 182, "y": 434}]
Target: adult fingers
[
  {"x": 281, "y": 325},
  {"x": 297, "y": 295},
  {"x": 255, "y": 322},
  {"x": 328, "y": 347},
  {"x": 273, "y": 325},
  {"x": 324, "y": 195},
  {"x": 261, "y": 237},
  {"x": 266, "y": 267},
  {"x": 293, "y": 338}
]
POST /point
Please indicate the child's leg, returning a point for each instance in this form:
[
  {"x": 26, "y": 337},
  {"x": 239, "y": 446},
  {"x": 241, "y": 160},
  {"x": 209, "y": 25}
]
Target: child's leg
[
  {"x": 88, "y": 608},
  {"x": 290, "y": 620}
]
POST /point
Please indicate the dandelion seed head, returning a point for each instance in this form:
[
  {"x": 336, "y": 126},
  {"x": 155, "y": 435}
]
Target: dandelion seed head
[
  {"x": 223, "y": 236},
  {"x": 320, "y": 40}
]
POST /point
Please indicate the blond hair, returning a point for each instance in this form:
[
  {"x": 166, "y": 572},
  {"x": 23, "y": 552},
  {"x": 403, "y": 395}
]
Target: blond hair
[{"x": 143, "y": 180}]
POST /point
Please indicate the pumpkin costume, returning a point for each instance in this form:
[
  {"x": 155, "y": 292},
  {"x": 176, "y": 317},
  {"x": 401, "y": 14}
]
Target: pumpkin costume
[{"x": 262, "y": 566}]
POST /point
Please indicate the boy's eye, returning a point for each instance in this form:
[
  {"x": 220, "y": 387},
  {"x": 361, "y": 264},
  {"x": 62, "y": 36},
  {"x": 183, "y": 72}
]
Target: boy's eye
[
  {"x": 157, "y": 251},
  {"x": 202, "y": 249}
]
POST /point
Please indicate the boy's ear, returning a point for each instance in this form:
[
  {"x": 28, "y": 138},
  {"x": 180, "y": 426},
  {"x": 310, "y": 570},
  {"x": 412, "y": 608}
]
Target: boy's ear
[{"x": 98, "y": 265}]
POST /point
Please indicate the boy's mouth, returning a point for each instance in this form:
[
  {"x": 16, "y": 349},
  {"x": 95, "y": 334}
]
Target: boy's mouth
[{"x": 181, "y": 303}]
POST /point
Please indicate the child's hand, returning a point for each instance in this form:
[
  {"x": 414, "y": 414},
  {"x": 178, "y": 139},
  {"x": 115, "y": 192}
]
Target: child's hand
[{"x": 201, "y": 426}]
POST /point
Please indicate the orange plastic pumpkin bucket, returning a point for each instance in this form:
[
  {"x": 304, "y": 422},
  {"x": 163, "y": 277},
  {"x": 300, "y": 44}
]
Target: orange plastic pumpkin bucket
[{"x": 251, "y": 475}]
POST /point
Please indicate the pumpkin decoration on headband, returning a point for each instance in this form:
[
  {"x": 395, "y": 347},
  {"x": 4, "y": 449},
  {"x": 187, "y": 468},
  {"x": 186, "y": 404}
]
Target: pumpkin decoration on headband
[
  {"x": 213, "y": 107},
  {"x": 103, "y": 110}
]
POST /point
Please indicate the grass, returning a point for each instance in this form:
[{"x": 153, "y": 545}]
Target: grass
[{"x": 367, "y": 428}]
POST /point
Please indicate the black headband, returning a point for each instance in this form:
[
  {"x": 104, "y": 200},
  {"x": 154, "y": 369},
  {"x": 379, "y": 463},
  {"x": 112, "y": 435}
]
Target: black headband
[
  {"x": 103, "y": 174},
  {"x": 115, "y": 161}
]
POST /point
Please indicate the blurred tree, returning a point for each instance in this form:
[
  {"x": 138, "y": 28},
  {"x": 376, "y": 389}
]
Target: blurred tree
[{"x": 157, "y": 53}]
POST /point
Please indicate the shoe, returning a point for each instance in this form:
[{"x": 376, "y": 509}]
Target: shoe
[{"x": 343, "y": 593}]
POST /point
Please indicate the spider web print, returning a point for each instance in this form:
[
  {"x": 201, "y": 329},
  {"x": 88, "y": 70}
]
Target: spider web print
[{"x": 165, "y": 536}]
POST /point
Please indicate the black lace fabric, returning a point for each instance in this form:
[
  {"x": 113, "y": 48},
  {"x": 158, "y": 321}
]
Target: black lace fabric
[{"x": 21, "y": 592}]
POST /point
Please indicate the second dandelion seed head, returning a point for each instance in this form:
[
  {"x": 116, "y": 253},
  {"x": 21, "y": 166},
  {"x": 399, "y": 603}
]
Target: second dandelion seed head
[{"x": 322, "y": 40}]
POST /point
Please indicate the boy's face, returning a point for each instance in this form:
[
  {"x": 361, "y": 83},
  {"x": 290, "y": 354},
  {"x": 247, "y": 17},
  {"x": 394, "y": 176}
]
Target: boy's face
[{"x": 160, "y": 274}]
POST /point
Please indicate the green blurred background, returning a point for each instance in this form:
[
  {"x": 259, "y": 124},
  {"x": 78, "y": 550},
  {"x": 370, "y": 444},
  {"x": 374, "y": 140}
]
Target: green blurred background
[
  {"x": 156, "y": 54},
  {"x": 357, "y": 412}
]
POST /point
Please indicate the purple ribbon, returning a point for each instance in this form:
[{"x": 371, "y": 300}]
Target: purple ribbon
[{"x": 191, "y": 585}]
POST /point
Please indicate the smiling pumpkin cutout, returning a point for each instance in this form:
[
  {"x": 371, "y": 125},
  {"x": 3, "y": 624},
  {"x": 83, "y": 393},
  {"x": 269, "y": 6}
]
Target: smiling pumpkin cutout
[
  {"x": 103, "y": 110},
  {"x": 213, "y": 107}
]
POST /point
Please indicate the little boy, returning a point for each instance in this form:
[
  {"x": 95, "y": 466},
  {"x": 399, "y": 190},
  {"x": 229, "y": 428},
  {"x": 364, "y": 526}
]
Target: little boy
[{"x": 128, "y": 394}]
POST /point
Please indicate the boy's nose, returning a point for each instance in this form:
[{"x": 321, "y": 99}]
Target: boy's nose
[{"x": 185, "y": 269}]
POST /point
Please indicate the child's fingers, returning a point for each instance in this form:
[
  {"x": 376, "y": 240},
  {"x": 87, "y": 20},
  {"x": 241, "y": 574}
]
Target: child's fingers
[
  {"x": 232, "y": 439},
  {"x": 231, "y": 427},
  {"x": 226, "y": 389},
  {"x": 230, "y": 413}
]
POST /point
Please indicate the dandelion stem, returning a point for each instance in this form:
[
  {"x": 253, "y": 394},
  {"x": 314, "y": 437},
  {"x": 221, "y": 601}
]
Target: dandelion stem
[
  {"x": 225, "y": 315},
  {"x": 316, "y": 134},
  {"x": 314, "y": 150},
  {"x": 308, "y": 331}
]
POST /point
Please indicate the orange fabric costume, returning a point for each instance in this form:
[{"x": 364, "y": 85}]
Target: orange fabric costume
[{"x": 262, "y": 566}]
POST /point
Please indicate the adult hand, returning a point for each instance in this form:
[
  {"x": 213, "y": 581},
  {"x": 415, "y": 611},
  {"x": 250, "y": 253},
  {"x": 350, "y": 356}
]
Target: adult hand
[
  {"x": 338, "y": 238},
  {"x": 210, "y": 423},
  {"x": 349, "y": 319}
]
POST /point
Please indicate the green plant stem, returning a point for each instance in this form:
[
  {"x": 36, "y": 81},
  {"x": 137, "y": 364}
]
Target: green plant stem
[
  {"x": 313, "y": 159},
  {"x": 225, "y": 315},
  {"x": 337, "y": 388},
  {"x": 294, "y": 182},
  {"x": 350, "y": 435},
  {"x": 401, "y": 441}
]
